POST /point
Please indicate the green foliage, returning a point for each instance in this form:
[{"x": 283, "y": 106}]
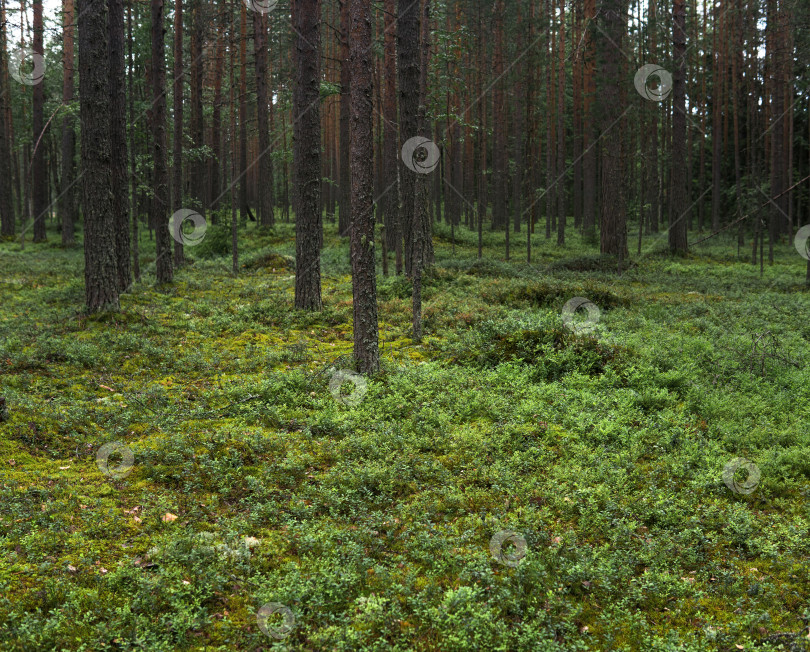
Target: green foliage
[{"x": 372, "y": 522}]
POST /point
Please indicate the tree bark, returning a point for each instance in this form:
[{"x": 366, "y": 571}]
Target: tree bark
[
  {"x": 66, "y": 204},
  {"x": 118, "y": 142},
  {"x": 6, "y": 199},
  {"x": 159, "y": 206},
  {"x": 265, "y": 186},
  {"x": 344, "y": 185},
  {"x": 307, "y": 154},
  {"x": 39, "y": 164},
  {"x": 100, "y": 265},
  {"x": 678, "y": 196},
  {"x": 612, "y": 206},
  {"x": 364, "y": 286},
  {"x": 177, "y": 151}
]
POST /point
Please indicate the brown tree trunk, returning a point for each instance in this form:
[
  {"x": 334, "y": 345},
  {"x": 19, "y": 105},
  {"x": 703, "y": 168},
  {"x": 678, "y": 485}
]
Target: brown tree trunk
[
  {"x": 39, "y": 165},
  {"x": 197, "y": 127},
  {"x": 67, "y": 194},
  {"x": 499, "y": 126},
  {"x": 561, "y": 171},
  {"x": 265, "y": 203},
  {"x": 118, "y": 142},
  {"x": 243, "y": 197},
  {"x": 408, "y": 70},
  {"x": 393, "y": 232},
  {"x": 6, "y": 199},
  {"x": 344, "y": 185},
  {"x": 159, "y": 206},
  {"x": 100, "y": 266},
  {"x": 136, "y": 262},
  {"x": 612, "y": 205},
  {"x": 364, "y": 286},
  {"x": 588, "y": 133},
  {"x": 307, "y": 154},
  {"x": 177, "y": 151},
  {"x": 678, "y": 196}
]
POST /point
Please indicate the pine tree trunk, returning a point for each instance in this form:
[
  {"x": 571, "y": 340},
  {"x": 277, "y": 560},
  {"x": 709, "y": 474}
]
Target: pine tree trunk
[
  {"x": 159, "y": 206},
  {"x": 307, "y": 154},
  {"x": 561, "y": 171},
  {"x": 588, "y": 129},
  {"x": 364, "y": 287},
  {"x": 393, "y": 232},
  {"x": 243, "y": 197},
  {"x": 39, "y": 165},
  {"x": 499, "y": 125},
  {"x": 6, "y": 199},
  {"x": 177, "y": 151},
  {"x": 100, "y": 266},
  {"x": 118, "y": 142},
  {"x": 344, "y": 186},
  {"x": 265, "y": 203},
  {"x": 612, "y": 205},
  {"x": 408, "y": 71},
  {"x": 678, "y": 196},
  {"x": 66, "y": 204},
  {"x": 136, "y": 262}
]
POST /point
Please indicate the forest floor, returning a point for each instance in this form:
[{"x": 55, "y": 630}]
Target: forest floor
[{"x": 375, "y": 516}]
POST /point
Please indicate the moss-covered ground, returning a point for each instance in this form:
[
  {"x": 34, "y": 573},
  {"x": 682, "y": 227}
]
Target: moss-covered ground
[{"x": 372, "y": 522}]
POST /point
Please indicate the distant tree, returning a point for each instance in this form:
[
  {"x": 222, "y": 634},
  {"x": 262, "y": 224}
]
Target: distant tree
[
  {"x": 39, "y": 164},
  {"x": 6, "y": 199},
  {"x": 344, "y": 184},
  {"x": 118, "y": 141},
  {"x": 66, "y": 204},
  {"x": 393, "y": 231},
  {"x": 678, "y": 196},
  {"x": 160, "y": 177},
  {"x": 612, "y": 205},
  {"x": 100, "y": 262},
  {"x": 177, "y": 131},
  {"x": 265, "y": 185}
]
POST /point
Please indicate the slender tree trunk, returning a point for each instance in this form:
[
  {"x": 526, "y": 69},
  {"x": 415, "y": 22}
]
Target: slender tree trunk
[
  {"x": 588, "y": 135},
  {"x": 499, "y": 126},
  {"x": 177, "y": 151},
  {"x": 160, "y": 177},
  {"x": 136, "y": 262},
  {"x": 6, "y": 199},
  {"x": 265, "y": 203},
  {"x": 100, "y": 266},
  {"x": 243, "y": 196},
  {"x": 393, "y": 232},
  {"x": 344, "y": 186},
  {"x": 118, "y": 141},
  {"x": 561, "y": 171},
  {"x": 678, "y": 196},
  {"x": 612, "y": 205},
  {"x": 66, "y": 204},
  {"x": 364, "y": 286},
  {"x": 307, "y": 154},
  {"x": 39, "y": 165},
  {"x": 408, "y": 70}
]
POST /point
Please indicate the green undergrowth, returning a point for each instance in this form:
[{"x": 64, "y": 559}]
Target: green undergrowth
[{"x": 254, "y": 481}]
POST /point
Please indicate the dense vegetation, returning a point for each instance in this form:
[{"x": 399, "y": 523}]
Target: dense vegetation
[{"x": 372, "y": 522}]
